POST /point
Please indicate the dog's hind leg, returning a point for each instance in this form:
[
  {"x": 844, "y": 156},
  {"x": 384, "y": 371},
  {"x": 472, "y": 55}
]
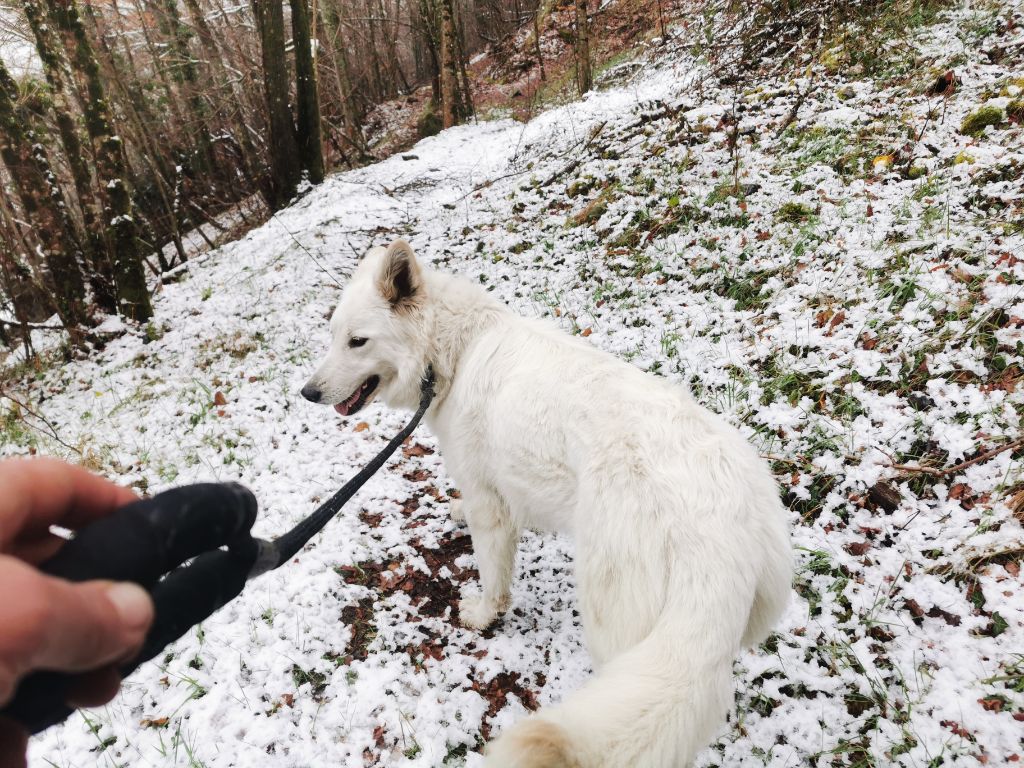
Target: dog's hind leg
[
  {"x": 456, "y": 512},
  {"x": 494, "y": 544}
]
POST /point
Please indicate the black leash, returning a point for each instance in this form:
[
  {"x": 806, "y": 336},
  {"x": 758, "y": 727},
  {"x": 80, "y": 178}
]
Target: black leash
[{"x": 191, "y": 547}]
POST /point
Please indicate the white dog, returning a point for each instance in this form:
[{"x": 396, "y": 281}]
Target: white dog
[{"x": 682, "y": 546}]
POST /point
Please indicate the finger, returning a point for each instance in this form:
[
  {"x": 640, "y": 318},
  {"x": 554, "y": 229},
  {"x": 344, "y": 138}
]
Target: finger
[
  {"x": 36, "y": 549},
  {"x": 93, "y": 689},
  {"x": 50, "y": 623},
  {"x": 13, "y": 743},
  {"x": 42, "y": 492}
]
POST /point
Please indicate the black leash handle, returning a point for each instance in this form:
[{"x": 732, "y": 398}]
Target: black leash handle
[
  {"x": 149, "y": 542},
  {"x": 140, "y": 543}
]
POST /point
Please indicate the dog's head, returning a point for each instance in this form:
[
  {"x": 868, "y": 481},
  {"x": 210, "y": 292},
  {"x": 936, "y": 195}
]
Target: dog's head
[{"x": 378, "y": 337}]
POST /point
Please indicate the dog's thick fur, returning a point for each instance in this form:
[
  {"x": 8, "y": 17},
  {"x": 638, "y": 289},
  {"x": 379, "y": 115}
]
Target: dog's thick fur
[{"x": 682, "y": 548}]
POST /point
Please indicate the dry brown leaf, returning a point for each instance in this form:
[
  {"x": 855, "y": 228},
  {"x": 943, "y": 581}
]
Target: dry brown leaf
[
  {"x": 991, "y": 704},
  {"x": 858, "y": 548},
  {"x": 416, "y": 449}
]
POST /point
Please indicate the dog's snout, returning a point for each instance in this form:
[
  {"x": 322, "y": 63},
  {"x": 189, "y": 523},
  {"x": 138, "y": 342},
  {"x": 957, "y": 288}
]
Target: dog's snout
[{"x": 312, "y": 393}]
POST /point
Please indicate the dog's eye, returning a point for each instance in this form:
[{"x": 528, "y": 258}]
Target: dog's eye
[{"x": 356, "y": 341}]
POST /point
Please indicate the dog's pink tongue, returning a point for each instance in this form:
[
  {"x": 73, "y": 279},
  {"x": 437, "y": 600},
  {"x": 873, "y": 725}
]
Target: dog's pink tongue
[{"x": 342, "y": 408}]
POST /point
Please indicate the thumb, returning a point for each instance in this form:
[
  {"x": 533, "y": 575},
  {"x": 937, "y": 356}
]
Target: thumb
[
  {"x": 91, "y": 624},
  {"x": 49, "y": 623}
]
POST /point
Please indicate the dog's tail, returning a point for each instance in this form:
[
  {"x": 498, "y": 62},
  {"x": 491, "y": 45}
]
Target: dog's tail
[{"x": 654, "y": 706}]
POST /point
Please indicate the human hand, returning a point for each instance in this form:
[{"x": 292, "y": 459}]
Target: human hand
[{"x": 48, "y": 623}]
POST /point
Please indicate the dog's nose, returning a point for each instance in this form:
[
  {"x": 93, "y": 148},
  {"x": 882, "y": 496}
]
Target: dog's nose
[{"x": 311, "y": 393}]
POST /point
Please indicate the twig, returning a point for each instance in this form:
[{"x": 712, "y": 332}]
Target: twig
[
  {"x": 49, "y": 426},
  {"x": 800, "y": 464},
  {"x": 1012, "y": 445},
  {"x": 800, "y": 98},
  {"x": 571, "y": 166},
  {"x": 31, "y": 326}
]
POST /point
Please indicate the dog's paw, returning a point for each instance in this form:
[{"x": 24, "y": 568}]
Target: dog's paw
[
  {"x": 456, "y": 512},
  {"x": 476, "y": 612}
]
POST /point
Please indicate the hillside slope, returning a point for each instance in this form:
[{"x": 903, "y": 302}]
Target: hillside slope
[{"x": 847, "y": 291}]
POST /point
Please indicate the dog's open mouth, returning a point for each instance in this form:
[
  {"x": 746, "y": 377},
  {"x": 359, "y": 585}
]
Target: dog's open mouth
[{"x": 358, "y": 399}]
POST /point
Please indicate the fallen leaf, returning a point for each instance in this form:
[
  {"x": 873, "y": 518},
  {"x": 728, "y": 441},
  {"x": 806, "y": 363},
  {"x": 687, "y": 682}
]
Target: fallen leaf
[
  {"x": 219, "y": 399},
  {"x": 956, "y": 728},
  {"x": 416, "y": 449},
  {"x": 944, "y": 84},
  {"x": 950, "y": 618},
  {"x": 914, "y": 607},
  {"x": 858, "y": 548},
  {"x": 959, "y": 491},
  {"x": 992, "y": 704},
  {"x": 884, "y": 495},
  {"x": 362, "y": 426}
]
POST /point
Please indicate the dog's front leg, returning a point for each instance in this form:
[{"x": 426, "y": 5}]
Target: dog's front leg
[{"x": 494, "y": 543}]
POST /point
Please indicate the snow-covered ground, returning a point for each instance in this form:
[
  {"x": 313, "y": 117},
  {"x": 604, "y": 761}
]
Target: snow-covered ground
[{"x": 852, "y": 320}]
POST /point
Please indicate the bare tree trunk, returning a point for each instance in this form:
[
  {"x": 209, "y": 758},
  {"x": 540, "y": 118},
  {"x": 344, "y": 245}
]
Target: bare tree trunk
[
  {"x": 100, "y": 266},
  {"x": 111, "y": 164},
  {"x": 218, "y": 69},
  {"x": 185, "y": 73},
  {"x": 284, "y": 150},
  {"x": 352, "y": 130},
  {"x": 308, "y": 125},
  {"x": 429, "y": 14},
  {"x": 452, "y": 110},
  {"x": 584, "y": 73},
  {"x": 44, "y": 205},
  {"x": 536, "y": 39},
  {"x": 465, "y": 96},
  {"x": 141, "y": 118}
]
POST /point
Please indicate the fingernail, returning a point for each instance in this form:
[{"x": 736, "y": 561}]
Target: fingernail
[{"x": 133, "y": 604}]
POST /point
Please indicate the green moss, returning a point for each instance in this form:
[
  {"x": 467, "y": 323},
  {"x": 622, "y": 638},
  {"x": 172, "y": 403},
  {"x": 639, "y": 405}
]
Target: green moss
[
  {"x": 794, "y": 212},
  {"x": 917, "y": 172},
  {"x": 979, "y": 119},
  {"x": 1010, "y": 86},
  {"x": 581, "y": 186},
  {"x": 429, "y": 122}
]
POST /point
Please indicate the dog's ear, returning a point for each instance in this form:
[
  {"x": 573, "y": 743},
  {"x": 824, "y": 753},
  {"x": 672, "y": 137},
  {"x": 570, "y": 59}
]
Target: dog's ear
[{"x": 400, "y": 277}]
